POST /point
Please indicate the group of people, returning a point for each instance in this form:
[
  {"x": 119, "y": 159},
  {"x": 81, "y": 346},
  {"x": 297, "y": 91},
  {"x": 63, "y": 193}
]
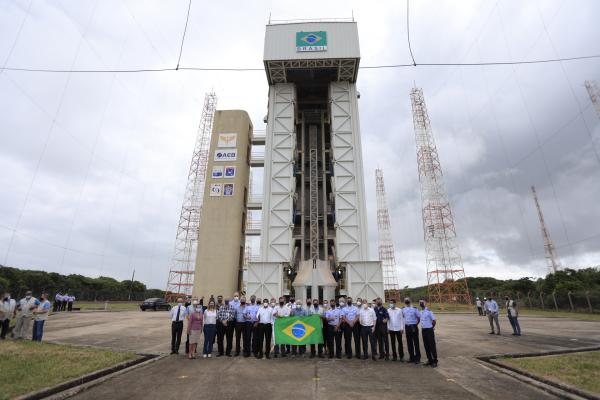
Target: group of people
[
  {"x": 359, "y": 325},
  {"x": 24, "y": 311},
  {"x": 490, "y": 307},
  {"x": 63, "y": 302}
]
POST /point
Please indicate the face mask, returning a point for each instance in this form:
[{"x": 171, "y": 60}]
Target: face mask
[
  {"x": 407, "y": 303},
  {"x": 212, "y": 305},
  {"x": 236, "y": 298},
  {"x": 316, "y": 305},
  {"x": 422, "y": 305},
  {"x": 298, "y": 306},
  {"x": 332, "y": 305},
  {"x": 281, "y": 303},
  {"x": 379, "y": 304},
  {"x": 393, "y": 305},
  {"x": 265, "y": 305},
  {"x": 243, "y": 303},
  {"x": 342, "y": 304},
  {"x": 364, "y": 306},
  {"x": 27, "y": 297},
  {"x": 349, "y": 303},
  {"x": 198, "y": 308},
  {"x": 273, "y": 304},
  {"x": 308, "y": 304},
  {"x": 179, "y": 303}
]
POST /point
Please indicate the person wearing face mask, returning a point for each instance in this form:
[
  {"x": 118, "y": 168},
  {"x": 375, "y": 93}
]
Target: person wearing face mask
[
  {"x": 298, "y": 311},
  {"x": 177, "y": 314},
  {"x": 349, "y": 321},
  {"x": 251, "y": 327},
  {"x": 7, "y": 310},
  {"x": 24, "y": 313},
  {"x": 264, "y": 317},
  {"x": 280, "y": 311},
  {"x": 381, "y": 333},
  {"x": 368, "y": 320},
  {"x": 240, "y": 322},
  {"x": 412, "y": 317},
  {"x": 316, "y": 309},
  {"x": 427, "y": 331},
  {"x": 235, "y": 300},
  {"x": 395, "y": 327},
  {"x": 209, "y": 328},
  {"x": 40, "y": 314},
  {"x": 195, "y": 322},
  {"x": 334, "y": 334},
  {"x": 225, "y": 321}
]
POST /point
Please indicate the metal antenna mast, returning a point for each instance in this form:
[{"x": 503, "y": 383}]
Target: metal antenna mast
[
  {"x": 387, "y": 254},
  {"x": 548, "y": 245},
  {"x": 181, "y": 274},
  {"x": 445, "y": 273},
  {"x": 592, "y": 89}
]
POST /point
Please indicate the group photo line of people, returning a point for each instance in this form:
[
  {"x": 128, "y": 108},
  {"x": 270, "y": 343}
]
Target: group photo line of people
[{"x": 362, "y": 329}]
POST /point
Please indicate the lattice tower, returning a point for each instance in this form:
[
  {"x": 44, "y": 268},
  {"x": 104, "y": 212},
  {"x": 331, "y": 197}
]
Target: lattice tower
[
  {"x": 387, "y": 254},
  {"x": 181, "y": 274},
  {"x": 445, "y": 273},
  {"x": 549, "y": 249}
]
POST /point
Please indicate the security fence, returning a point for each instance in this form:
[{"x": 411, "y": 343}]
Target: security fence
[{"x": 558, "y": 300}]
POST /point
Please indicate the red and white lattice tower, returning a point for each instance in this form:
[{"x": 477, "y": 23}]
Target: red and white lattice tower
[
  {"x": 387, "y": 254},
  {"x": 445, "y": 273},
  {"x": 592, "y": 89},
  {"x": 181, "y": 273},
  {"x": 549, "y": 249}
]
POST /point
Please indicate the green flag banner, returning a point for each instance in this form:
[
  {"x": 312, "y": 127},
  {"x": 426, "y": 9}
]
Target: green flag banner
[{"x": 299, "y": 330}]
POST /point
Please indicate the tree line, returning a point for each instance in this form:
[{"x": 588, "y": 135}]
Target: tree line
[{"x": 17, "y": 281}]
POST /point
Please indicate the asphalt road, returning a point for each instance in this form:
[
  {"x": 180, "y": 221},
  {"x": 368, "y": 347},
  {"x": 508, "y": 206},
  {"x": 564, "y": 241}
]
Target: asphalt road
[{"x": 460, "y": 338}]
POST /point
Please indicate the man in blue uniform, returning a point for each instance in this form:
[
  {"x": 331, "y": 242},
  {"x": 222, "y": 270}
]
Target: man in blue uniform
[
  {"x": 332, "y": 316},
  {"x": 411, "y": 322},
  {"x": 381, "y": 333},
  {"x": 251, "y": 328},
  {"x": 427, "y": 331},
  {"x": 349, "y": 320}
]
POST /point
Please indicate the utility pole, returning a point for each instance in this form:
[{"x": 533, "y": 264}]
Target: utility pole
[
  {"x": 387, "y": 253},
  {"x": 549, "y": 249},
  {"x": 131, "y": 285},
  {"x": 446, "y": 280},
  {"x": 181, "y": 274},
  {"x": 594, "y": 93}
]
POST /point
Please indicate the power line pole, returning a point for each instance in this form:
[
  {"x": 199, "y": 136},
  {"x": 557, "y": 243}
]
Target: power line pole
[
  {"x": 549, "y": 249},
  {"x": 594, "y": 93},
  {"x": 181, "y": 274},
  {"x": 446, "y": 280},
  {"x": 387, "y": 254},
  {"x": 131, "y": 285}
]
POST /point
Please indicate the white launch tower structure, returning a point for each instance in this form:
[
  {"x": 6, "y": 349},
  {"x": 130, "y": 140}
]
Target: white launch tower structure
[{"x": 314, "y": 227}]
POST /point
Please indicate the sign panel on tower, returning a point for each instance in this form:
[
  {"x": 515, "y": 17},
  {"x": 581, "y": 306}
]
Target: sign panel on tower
[{"x": 311, "y": 41}]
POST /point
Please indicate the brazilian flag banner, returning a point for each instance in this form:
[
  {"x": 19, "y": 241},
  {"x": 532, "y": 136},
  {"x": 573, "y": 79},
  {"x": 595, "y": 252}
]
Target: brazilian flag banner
[{"x": 299, "y": 330}]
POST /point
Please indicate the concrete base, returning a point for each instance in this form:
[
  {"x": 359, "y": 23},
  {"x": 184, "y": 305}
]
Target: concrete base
[{"x": 460, "y": 338}]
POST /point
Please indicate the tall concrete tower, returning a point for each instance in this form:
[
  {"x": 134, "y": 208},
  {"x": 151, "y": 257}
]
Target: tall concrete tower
[{"x": 314, "y": 228}]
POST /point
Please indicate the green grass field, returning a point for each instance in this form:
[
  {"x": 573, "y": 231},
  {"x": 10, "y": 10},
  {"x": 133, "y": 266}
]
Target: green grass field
[
  {"x": 28, "y": 366},
  {"x": 111, "y": 306},
  {"x": 581, "y": 370}
]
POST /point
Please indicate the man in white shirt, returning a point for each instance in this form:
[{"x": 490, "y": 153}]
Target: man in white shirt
[
  {"x": 396, "y": 328},
  {"x": 281, "y": 311},
  {"x": 367, "y": 319},
  {"x": 177, "y": 314},
  {"x": 264, "y": 317},
  {"x": 479, "y": 306},
  {"x": 7, "y": 311},
  {"x": 24, "y": 313},
  {"x": 492, "y": 310}
]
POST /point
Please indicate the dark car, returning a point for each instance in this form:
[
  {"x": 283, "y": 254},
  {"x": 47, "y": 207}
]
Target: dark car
[{"x": 155, "y": 304}]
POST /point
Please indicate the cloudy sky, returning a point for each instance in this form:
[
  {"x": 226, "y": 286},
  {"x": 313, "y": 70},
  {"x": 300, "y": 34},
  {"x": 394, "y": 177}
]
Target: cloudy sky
[{"x": 93, "y": 166}]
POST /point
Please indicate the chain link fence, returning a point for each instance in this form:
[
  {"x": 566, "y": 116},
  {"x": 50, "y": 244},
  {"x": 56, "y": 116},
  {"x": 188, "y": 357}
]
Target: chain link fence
[{"x": 587, "y": 301}]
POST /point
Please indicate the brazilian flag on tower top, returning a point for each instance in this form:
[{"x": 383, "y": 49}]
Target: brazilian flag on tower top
[
  {"x": 311, "y": 41},
  {"x": 299, "y": 330}
]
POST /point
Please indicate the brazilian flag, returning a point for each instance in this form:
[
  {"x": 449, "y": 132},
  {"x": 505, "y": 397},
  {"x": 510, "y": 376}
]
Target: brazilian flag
[{"x": 299, "y": 330}]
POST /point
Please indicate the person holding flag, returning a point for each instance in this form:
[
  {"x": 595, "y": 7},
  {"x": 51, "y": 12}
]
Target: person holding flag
[{"x": 298, "y": 330}]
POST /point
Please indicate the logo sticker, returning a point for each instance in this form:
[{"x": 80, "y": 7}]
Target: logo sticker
[
  {"x": 229, "y": 172},
  {"x": 227, "y": 140},
  {"x": 225, "y": 155},
  {"x": 215, "y": 189},
  {"x": 217, "y": 172},
  {"x": 228, "y": 189}
]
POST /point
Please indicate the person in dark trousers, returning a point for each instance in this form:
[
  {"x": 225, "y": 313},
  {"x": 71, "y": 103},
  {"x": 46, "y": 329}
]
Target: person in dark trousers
[
  {"x": 411, "y": 321},
  {"x": 427, "y": 331},
  {"x": 264, "y": 317},
  {"x": 334, "y": 334},
  {"x": 368, "y": 321},
  {"x": 479, "y": 305},
  {"x": 240, "y": 324},
  {"x": 225, "y": 325},
  {"x": 250, "y": 337},
  {"x": 316, "y": 309},
  {"x": 177, "y": 314},
  {"x": 381, "y": 331},
  {"x": 395, "y": 328}
]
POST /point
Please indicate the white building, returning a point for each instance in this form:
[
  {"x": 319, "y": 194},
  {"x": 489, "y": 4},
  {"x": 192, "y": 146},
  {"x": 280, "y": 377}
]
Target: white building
[{"x": 314, "y": 228}]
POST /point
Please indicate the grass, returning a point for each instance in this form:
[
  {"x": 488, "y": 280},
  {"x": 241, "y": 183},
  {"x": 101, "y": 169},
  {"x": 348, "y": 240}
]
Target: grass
[
  {"x": 28, "y": 366},
  {"x": 581, "y": 370},
  {"x": 560, "y": 314},
  {"x": 112, "y": 305}
]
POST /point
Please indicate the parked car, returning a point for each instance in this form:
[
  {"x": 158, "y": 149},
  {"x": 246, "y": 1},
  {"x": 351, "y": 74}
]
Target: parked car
[{"x": 155, "y": 304}]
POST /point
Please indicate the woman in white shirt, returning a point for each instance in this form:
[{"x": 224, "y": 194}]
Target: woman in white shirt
[{"x": 210, "y": 328}]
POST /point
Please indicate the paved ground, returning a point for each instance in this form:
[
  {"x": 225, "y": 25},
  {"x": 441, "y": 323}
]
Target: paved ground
[{"x": 460, "y": 337}]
